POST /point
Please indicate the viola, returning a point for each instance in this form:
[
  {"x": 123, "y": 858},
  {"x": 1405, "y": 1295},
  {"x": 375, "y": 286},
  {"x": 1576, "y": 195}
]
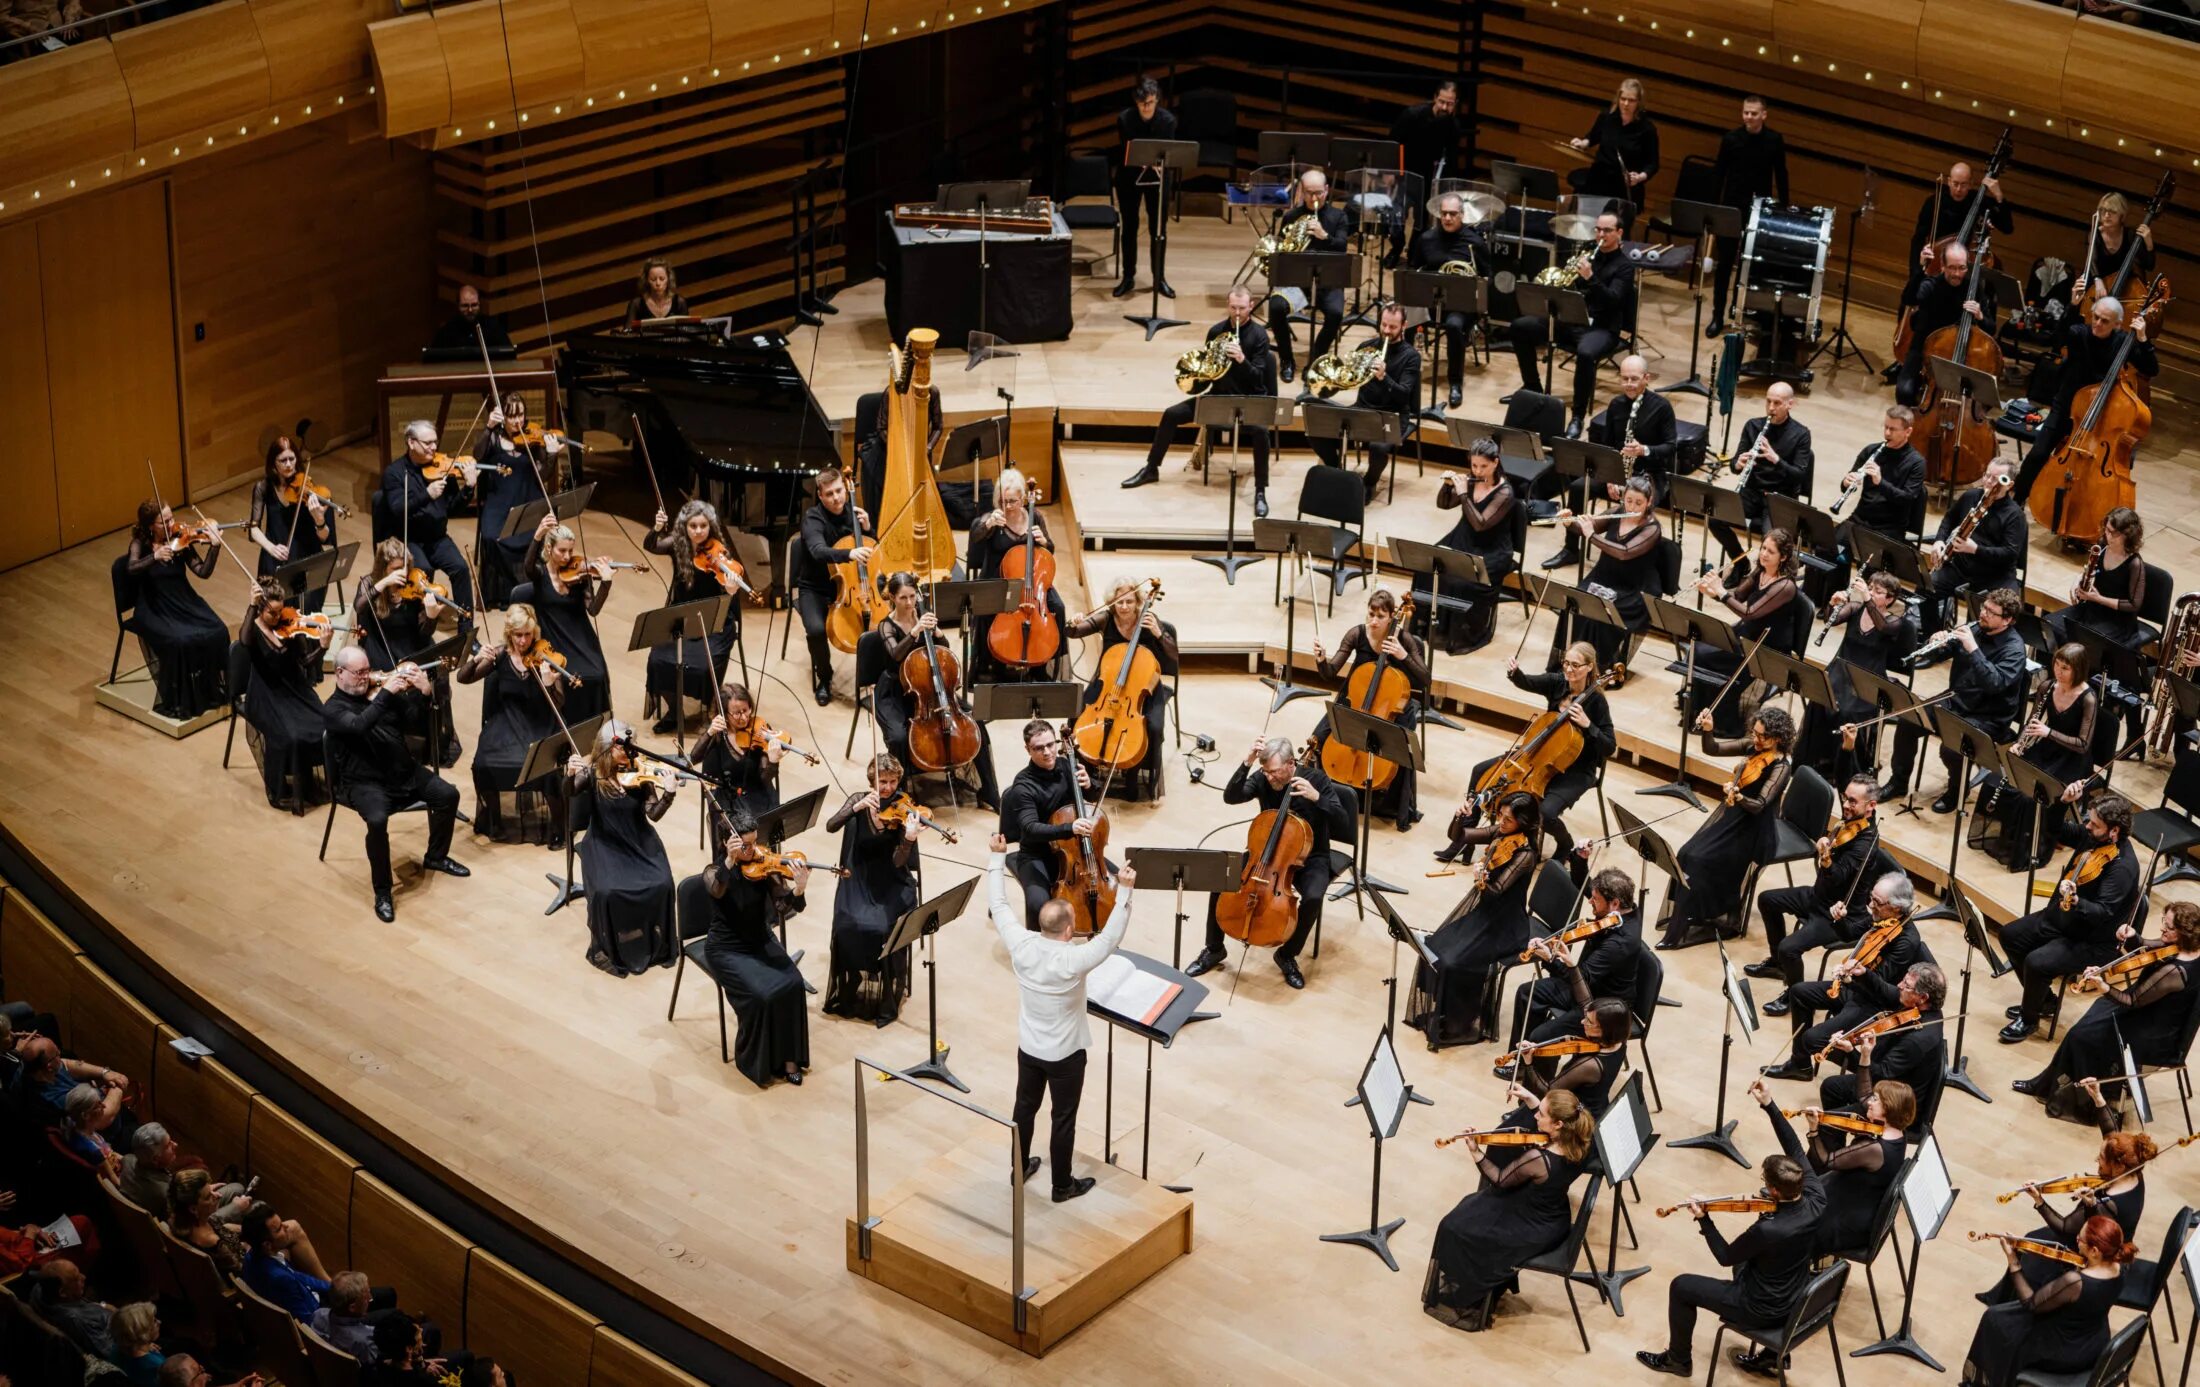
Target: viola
[
  {"x": 417, "y": 586},
  {"x": 858, "y": 605},
  {"x": 1579, "y": 930},
  {"x": 1264, "y": 910},
  {"x": 782, "y": 864},
  {"x": 1885, "y": 1023},
  {"x": 2053, "y": 1252},
  {"x": 1841, "y": 1121},
  {"x": 712, "y": 557},
  {"x": 2125, "y": 968},
  {"x": 942, "y": 736},
  {"x": 289, "y": 622},
  {"x": 300, "y": 486},
  {"x": 1379, "y": 690},
  {"x": 1728, "y": 1204},
  {"x": 1082, "y": 882},
  {"x": 744, "y": 738},
  {"x": 901, "y": 809},
  {"x": 2109, "y": 420},
  {"x": 1546, "y": 749},
  {"x": 1031, "y": 634},
  {"x": 1111, "y": 730},
  {"x": 1502, "y": 1136},
  {"x": 1871, "y": 946},
  {"x": 2086, "y": 867},
  {"x": 1553, "y": 1048}
]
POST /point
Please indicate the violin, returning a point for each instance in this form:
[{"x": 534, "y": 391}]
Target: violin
[
  {"x": 578, "y": 567},
  {"x": 1573, "y": 933},
  {"x": 417, "y": 586},
  {"x": 2061, "y": 1184},
  {"x": 1500, "y": 851},
  {"x": 1502, "y": 1136},
  {"x": 1728, "y": 1204},
  {"x": 1031, "y": 634},
  {"x": 1871, "y": 946},
  {"x": 532, "y": 434},
  {"x": 712, "y": 557},
  {"x": 2053, "y": 1252},
  {"x": 782, "y": 864},
  {"x": 1752, "y": 770},
  {"x": 1083, "y": 883},
  {"x": 745, "y": 738},
  {"x": 652, "y": 778},
  {"x": 1843, "y": 835},
  {"x": 901, "y": 809},
  {"x": 1545, "y": 749},
  {"x": 942, "y": 736},
  {"x": 858, "y": 605},
  {"x": 300, "y": 486},
  {"x": 2109, "y": 420},
  {"x": 541, "y": 653},
  {"x": 1885, "y": 1023},
  {"x": 1264, "y": 910},
  {"x": 2086, "y": 867},
  {"x": 1379, "y": 690},
  {"x": 289, "y": 622},
  {"x": 2124, "y": 969},
  {"x": 444, "y": 465},
  {"x": 1111, "y": 730},
  {"x": 1549, "y": 1049},
  {"x": 1841, "y": 1121},
  {"x": 182, "y": 534}
]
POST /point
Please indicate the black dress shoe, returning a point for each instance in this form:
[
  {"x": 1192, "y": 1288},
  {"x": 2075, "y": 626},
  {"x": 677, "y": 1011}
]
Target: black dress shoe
[
  {"x": 1031, "y": 1166},
  {"x": 1292, "y": 977},
  {"x": 1714, "y": 328},
  {"x": 1945, "y": 804},
  {"x": 822, "y": 690},
  {"x": 2012, "y": 1012},
  {"x": 1124, "y": 288},
  {"x": 794, "y": 1076},
  {"x": 385, "y": 909},
  {"x": 1081, "y": 1185},
  {"x": 445, "y": 865},
  {"x": 1563, "y": 557},
  {"x": 1144, "y": 476},
  {"x": 1778, "y": 1006},
  {"x": 1166, "y": 291},
  {"x": 1260, "y": 504},
  {"x": 1758, "y": 1363},
  {"x": 2017, "y": 1031},
  {"x": 1508, "y": 399},
  {"x": 1209, "y": 961},
  {"x": 1666, "y": 1363},
  {"x": 664, "y": 725},
  {"x": 1290, "y": 371},
  {"x": 1790, "y": 1070},
  {"x": 2032, "y": 1088},
  {"x": 1574, "y": 425},
  {"x": 1452, "y": 400},
  {"x": 1763, "y": 968}
]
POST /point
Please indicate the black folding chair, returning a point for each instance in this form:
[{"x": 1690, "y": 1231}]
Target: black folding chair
[
  {"x": 1649, "y": 982},
  {"x": 1811, "y": 1314},
  {"x": 1086, "y": 174},
  {"x": 1335, "y": 494},
  {"x": 338, "y": 794},
  {"x": 692, "y": 909},
  {"x": 2113, "y": 1370}
]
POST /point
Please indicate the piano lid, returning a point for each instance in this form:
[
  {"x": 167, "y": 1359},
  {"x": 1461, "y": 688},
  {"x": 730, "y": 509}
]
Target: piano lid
[{"x": 735, "y": 405}]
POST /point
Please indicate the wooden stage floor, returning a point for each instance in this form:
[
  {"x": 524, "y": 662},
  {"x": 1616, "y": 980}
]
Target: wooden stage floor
[{"x": 564, "y": 1097}]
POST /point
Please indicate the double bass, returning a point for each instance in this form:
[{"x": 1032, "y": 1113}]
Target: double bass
[
  {"x": 2110, "y": 420},
  {"x": 1029, "y": 634},
  {"x": 1111, "y": 730},
  {"x": 1935, "y": 247},
  {"x": 942, "y": 737},
  {"x": 1380, "y": 690},
  {"x": 2123, "y": 287},
  {"x": 1083, "y": 883},
  {"x": 1264, "y": 910},
  {"x": 1961, "y": 438}
]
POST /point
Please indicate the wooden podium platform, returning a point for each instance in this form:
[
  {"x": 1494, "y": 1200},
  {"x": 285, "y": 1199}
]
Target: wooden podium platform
[{"x": 942, "y": 1239}]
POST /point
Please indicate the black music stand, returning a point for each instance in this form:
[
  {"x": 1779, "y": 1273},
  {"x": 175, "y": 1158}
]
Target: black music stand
[
  {"x": 1566, "y": 603},
  {"x": 1976, "y": 395},
  {"x": 922, "y": 922},
  {"x": 1159, "y": 157},
  {"x": 1300, "y": 149},
  {"x": 1400, "y": 932},
  {"x": 1438, "y": 295},
  {"x": 1378, "y": 737},
  {"x": 522, "y": 520},
  {"x": 1304, "y": 270},
  {"x": 980, "y": 440},
  {"x": 1437, "y": 564},
  {"x": 1738, "y": 1005},
  {"x": 547, "y": 758},
  {"x": 1209, "y": 871},
  {"x": 1693, "y": 221},
  {"x": 1708, "y": 501},
  {"x": 1519, "y": 185},
  {"x": 1236, "y": 412},
  {"x": 679, "y": 622},
  {"x": 1898, "y": 556},
  {"x": 1289, "y": 539},
  {"x": 1790, "y": 675},
  {"x": 1596, "y": 464},
  {"x": 1623, "y": 1142},
  {"x": 1926, "y": 1197},
  {"x": 1354, "y": 428},
  {"x": 1383, "y": 1094},
  {"x": 1056, "y": 702},
  {"x": 1650, "y": 845},
  {"x": 982, "y": 196},
  {"x": 2041, "y": 789},
  {"x": 971, "y": 600},
  {"x": 1976, "y": 941},
  {"x": 1973, "y": 746},
  {"x": 1902, "y": 706},
  {"x": 1181, "y": 1011},
  {"x": 1686, "y": 626},
  {"x": 774, "y": 827},
  {"x": 1519, "y": 452},
  {"x": 1813, "y": 528},
  {"x": 1554, "y": 305},
  {"x": 317, "y": 572}
]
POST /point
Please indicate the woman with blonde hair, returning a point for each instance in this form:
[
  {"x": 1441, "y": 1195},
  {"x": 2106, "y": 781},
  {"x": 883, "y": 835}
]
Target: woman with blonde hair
[
  {"x": 686, "y": 669},
  {"x": 630, "y": 894},
  {"x": 1626, "y": 143},
  {"x": 521, "y": 695},
  {"x": 137, "y": 1343},
  {"x": 1522, "y": 1211},
  {"x": 568, "y": 589}
]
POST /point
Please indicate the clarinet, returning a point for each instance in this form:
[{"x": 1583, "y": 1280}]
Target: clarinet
[
  {"x": 1858, "y": 477},
  {"x": 2025, "y": 740}
]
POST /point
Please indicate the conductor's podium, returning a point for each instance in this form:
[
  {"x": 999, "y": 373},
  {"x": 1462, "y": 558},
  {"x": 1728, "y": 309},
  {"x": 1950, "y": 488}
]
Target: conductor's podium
[{"x": 944, "y": 1238}]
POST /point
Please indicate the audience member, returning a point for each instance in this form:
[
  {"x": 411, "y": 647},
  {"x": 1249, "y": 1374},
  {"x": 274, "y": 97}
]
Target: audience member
[
  {"x": 83, "y": 1118},
  {"x": 282, "y": 1271},
  {"x": 48, "y": 1080},
  {"x": 154, "y": 1159},
  {"x": 184, "y": 1371},
  {"x": 59, "y": 1297},
  {"x": 345, "y": 1323},
  {"x": 137, "y": 1343},
  {"x": 191, "y": 1221},
  {"x": 30, "y": 1246}
]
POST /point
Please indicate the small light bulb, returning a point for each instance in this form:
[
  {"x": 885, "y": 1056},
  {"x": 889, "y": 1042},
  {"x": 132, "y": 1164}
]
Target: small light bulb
[
  {"x": 492, "y": 125},
  {"x": 309, "y": 110},
  {"x": 72, "y": 182},
  {"x": 457, "y": 132}
]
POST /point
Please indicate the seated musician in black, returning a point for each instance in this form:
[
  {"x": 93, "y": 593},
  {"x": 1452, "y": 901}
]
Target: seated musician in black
[
  {"x": 1831, "y": 910},
  {"x": 1639, "y": 423},
  {"x": 1775, "y": 453},
  {"x": 2087, "y": 350},
  {"x": 2089, "y": 915},
  {"x": 1893, "y": 898},
  {"x": 1396, "y": 389},
  {"x": 378, "y": 771},
  {"x": 1589, "y": 1075},
  {"x": 2057, "y": 738},
  {"x": 1857, "y": 1173},
  {"x": 1916, "y": 1055},
  {"x": 1114, "y": 624},
  {"x": 1763, "y": 601},
  {"x": 1332, "y": 229},
  {"x": 1877, "y": 631},
  {"x": 2112, "y": 590},
  {"x": 1942, "y": 302},
  {"x": 1450, "y": 241},
  {"x": 1943, "y": 213},
  {"x": 1771, "y": 1262},
  {"x": 1628, "y": 565},
  {"x": 1989, "y": 558},
  {"x": 832, "y": 519},
  {"x": 1607, "y": 284},
  {"x": 1485, "y": 529},
  {"x": 1604, "y": 966},
  {"x": 1986, "y": 687},
  {"x": 2149, "y": 1012},
  {"x": 901, "y": 635},
  {"x": 1273, "y": 777},
  {"x": 1573, "y": 685},
  {"x": 418, "y": 511},
  {"x": 1380, "y": 637},
  {"x": 1028, "y": 807},
  {"x": 993, "y": 536},
  {"x": 1251, "y": 372},
  {"x": 1890, "y": 478},
  {"x": 457, "y": 331}
]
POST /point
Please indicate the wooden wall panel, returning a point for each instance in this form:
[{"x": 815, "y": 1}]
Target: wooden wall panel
[
  {"x": 30, "y": 524},
  {"x": 206, "y": 1106},
  {"x": 544, "y": 1338},
  {"x": 38, "y": 961},
  {"x": 2167, "y": 72},
  {"x": 1880, "y": 35},
  {"x": 627, "y": 40},
  {"x": 314, "y": 45},
  {"x": 474, "y": 56},
  {"x": 620, "y": 1362},
  {"x": 62, "y": 110},
  {"x": 111, "y": 356},
  {"x": 409, "y": 72},
  {"x": 746, "y": 29},
  {"x": 110, "y": 1027},
  {"x": 397, "y": 1244},
  {"x": 304, "y": 1177},
  {"x": 195, "y": 70},
  {"x": 1948, "y": 44},
  {"x": 546, "y": 50}
]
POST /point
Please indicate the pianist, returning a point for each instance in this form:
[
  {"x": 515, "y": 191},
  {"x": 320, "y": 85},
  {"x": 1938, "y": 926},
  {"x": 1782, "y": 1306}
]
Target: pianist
[
  {"x": 457, "y": 334},
  {"x": 656, "y": 294}
]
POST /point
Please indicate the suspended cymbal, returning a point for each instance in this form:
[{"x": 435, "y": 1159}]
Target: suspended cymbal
[{"x": 1573, "y": 226}]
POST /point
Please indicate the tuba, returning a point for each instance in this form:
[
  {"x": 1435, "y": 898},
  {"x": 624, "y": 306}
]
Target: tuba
[
  {"x": 1290, "y": 241},
  {"x": 2180, "y": 654},
  {"x": 1326, "y": 375},
  {"x": 1198, "y": 369}
]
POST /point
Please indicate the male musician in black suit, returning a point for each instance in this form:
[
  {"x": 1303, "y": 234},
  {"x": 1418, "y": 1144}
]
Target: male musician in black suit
[
  {"x": 1942, "y": 302},
  {"x": 835, "y": 517},
  {"x": 2088, "y": 348},
  {"x": 1428, "y": 143},
  {"x": 1451, "y": 239},
  {"x": 1609, "y": 290},
  {"x": 1752, "y": 163},
  {"x": 378, "y": 771},
  {"x": 1143, "y": 119},
  {"x": 1251, "y": 372},
  {"x": 1028, "y": 806},
  {"x": 1776, "y": 453},
  {"x": 1944, "y": 213},
  {"x": 1395, "y": 389},
  {"x": 1892, "y": 900},
  {"x": 1771, "y": 1261},
  {"x": 1638, "y": 423},
  {"x": 1332, "y": 229},
  {"x": 1831, "y": 910},
  {"x": 1273, "y": 777},
  {"x": 1891, "y": 477},
  {"x": 2082, "y": 923},
  {"x": 1987, "y": 560},
  {"x": 418, "y": 512},
  {"x": 1917, "y": 1056},
  {"x": 457, "y": 332},
  {"x": 1986, "y": 687},
  {"x": 1552, "y": 1006}
]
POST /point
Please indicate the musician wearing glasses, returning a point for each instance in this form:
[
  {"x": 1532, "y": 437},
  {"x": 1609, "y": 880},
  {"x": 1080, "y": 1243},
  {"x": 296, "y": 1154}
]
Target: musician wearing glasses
[
  {"x": 1892, "y": 899},
  {"x": 2088, "y": 348},
  {"x": 1143, "y": 119},
  {"x": 1988, "y": 556},
  {"x": 1774, "y": 458},
  {"x": 1638, "y": 425},
  {"x": 1331, "y": 230},
  {"x": 1943, "y": 213},
  {"x": 1251, "y": 371},
  {"x": 1450, "y": 241},
  {"x": 1831, "y": 910},
  {"x": 2084, "y": 922},
  {"x": 1626, "y": 143},
  {"x": 1944, "y": 301},
  {"x": 1607, "y": 284},
  {"x": 1395, "y": 388},
  {"x": 1428, "y": 142},
  {"x": 1985, "y": 687},
  {"x": 1752, "y": 163}
]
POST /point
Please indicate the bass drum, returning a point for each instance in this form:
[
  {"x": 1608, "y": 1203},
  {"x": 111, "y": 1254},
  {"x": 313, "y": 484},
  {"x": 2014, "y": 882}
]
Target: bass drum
[{"x": 1784, "y": 279}]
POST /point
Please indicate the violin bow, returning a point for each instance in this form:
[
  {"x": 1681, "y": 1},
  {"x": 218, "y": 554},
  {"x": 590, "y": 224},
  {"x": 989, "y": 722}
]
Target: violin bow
[
  {"x": 249, "y": 575},
  {"x": 649, "y": 464}
]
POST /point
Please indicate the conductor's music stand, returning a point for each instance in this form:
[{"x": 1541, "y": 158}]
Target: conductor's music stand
[
  {"x": 1440, "y": 295},
  {"x": 1977, "y": 396},
  {"x": 547, "y": 758},
  {"x": 1208, "y": 871},
  {"x": 1180, "y": 1012},
  {"x": 1554, "y": 305},
  {"x": 1686, "y": 626},
  {"x": 1159, "y": 158},
  {"x": 679, "y": 622},
  {"x": 1694, "y": 221},
  {"x": 1055, "y": 702},
  {"x": 1385, "y": 740},
  {"x": 1290, "y": 539},
  {"x": 922, "y": 922},
  {"x": 1236, "y": 413}
]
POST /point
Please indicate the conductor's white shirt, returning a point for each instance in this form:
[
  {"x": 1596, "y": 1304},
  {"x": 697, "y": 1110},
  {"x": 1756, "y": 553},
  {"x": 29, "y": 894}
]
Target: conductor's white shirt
[{"x": 1050, "y": 1022}]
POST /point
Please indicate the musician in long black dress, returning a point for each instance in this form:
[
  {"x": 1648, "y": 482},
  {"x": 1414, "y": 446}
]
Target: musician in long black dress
[
  {"x": 1485, "y": 529},
  {"x": 1751, "y": 163},
  {"x": 1765, "y": 606},
  {"x": 1605, "y": 966},
  {"x": 1523, "y": 1210},
  {"x": 2148, "y": 1012},
  {"x": 1608, "y": 288},
  {"x": 631, "y": 928},
  {"x": 1137, "y": 187},
  {"x": 280, "y": 702},
  {"x": 1626, "y": 143},
  {"x": 1039, "y": 791},
  {"x": 1638, "y": 424},
  {"x": 834, "y": 518},
  {"x": 747, "y": 777},
  {"x": 993, "y": 536},
  {"x": 1838, "y": 998},
  {"x": 395, "y": 620},
  {"x": 1574, "y": 688},
  {"x": 1889, "y": 479},
  {"x": 1450, "y": 241},
  {"x": 1395, "y": 389},
  {"x": 1856, "y": 1173},
  {"x": 290, "y": 521},
  {"x": 1273, "y": 778},
  {"x": 514, "y": 472},
  {"x": 882, "y": 862},
  {"x": 1628, "y": 565},
  {"x": 901, "y": 634},
  {"x": 2057, "y": 738},
  {"x": 1878, "y": 631},
  {"x": 1114, "y": 624},
  {"x": 521, "y": 696},
  {"x": 1590, "y": 1075},
  {"x": 1741, "y": 830},
  {"x": 567, "y": 590},
  {"x": 2087, "y": 349},
  {"x": 418, "y": 510},
  {"x": 683, "y": 669},
  {"x": 2057, "y": 1327},
  {"x": 1381, "y": 638},
  {"x": 2120, "y": 1197},
  {"x": 2091, "y": 912},
  {"x": 1452, "y": 1003},
  {"x": 186, "y": 645},
  {"x": 762, "y": 985},
  {"x": 1990, "y": 557},
  {"x": 1252, "y": 371},
  {"x": 1832, "y": 909},
  {"x": 2111, "y": 591},
  {"x": 1331, "y": 230},
  {"x": 1774, "y": 458}
]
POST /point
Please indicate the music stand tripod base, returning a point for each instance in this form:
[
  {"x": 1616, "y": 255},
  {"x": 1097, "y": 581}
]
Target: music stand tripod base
[{"x": 1375, "y": 1240}]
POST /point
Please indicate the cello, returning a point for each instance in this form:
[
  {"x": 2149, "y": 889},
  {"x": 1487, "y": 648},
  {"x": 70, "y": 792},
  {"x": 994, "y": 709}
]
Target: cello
[
  {"x": 1546, "y": 749},
  {"x": 1264, "y": 910},
  {"x": 1029, "y": 635},
  {"x": 2111, "y": 420},
  {"x": 942, "y": 737},
  {"x": 858, "y": 602},
  {"x": 1379, "y": 690},
  {"x": 1961, "y": 438},
  {"x": 1084, "y": 883},
  {"x": 1111, "y": 730}
]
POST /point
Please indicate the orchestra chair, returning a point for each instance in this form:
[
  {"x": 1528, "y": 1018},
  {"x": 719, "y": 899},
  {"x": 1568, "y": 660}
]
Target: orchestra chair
[
  {"x": 2183, "y": 1070},
  {"x": 1649, "y": 982},
  {"x": 1208, "y": 117},
  {"x": 2113, "y": 1370},
  {"x": 142, "y": 1236},
  {"x": 1882, "y": 1230},
  {"x": 1335, "y": 494},
  {"x": 240, "y": 675},
  {"x": 2062, "y": 984},
  {"x": 332, "y": 1367},
  {"x": 1812, "y": 1313},
  {"x": 125, "y": 589},
  {"x": 1544, "y": 416},
  {"x": 2144, "y": 1284},
  {"x": 212, "y": 1304},
  {"x": 36, "y": 1350},
  {"x": 870, "y": 664},
  {"x": 338, "y": 795},
  {"x": 692, "y": 909},
  {"x": 1340, "y": 859},
  {"x": 1086, "y": 174},
  {"x": 273, "y": 1336},
  {"x": 2173, "y": 824},
  {"x": 1560, "y": 1261},
  {"x": 1806, "y": 807}
]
